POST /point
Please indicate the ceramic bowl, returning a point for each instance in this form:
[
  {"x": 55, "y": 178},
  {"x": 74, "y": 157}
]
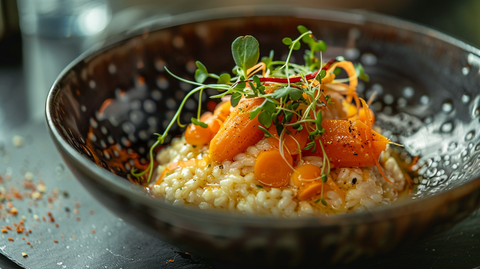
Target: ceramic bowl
[{"x": 104, "y": 107}]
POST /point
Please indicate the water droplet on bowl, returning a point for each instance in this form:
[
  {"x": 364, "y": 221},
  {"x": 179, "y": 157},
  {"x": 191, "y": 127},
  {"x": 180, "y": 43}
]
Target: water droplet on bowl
[
  {"x": 447, "y": 127},
  {"x": 447, "y": 107},
  {"x": 424, "y": 100},
  {"x": 470, "y": 135},
  {"x": 408, "y": 92},
  {"x": 369, "y": 59}
]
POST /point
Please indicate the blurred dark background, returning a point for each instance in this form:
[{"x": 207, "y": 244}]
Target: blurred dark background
[
  {"x": 38, "y": 38},
  {"x": 457, "y": 18}
]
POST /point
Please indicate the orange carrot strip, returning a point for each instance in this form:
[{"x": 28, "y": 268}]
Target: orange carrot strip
[
  {"x": 256, "y": 68},
  {"x": 352, "y": 74},
  {"x": 272, "y": 170},
  {"x": 368, "y": 135},
  {"x": 237, "y": 133}
]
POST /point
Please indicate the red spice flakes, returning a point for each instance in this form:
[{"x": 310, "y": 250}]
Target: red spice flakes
[
  {"x": 29, "y": 231},
  {"x": 171, "y": 261},
  {"x": 43, "y": 218},
  {"x": 10, "y": 239},
  {"x": 73, "y": 236},
  {"x": 93, "y": 231},
  {"x": 52, "y": 219},
  {"x": 49, "y": 213},
  {"x": 29, "y": 185},
  {"x": 13, "y": 211},
  {"x": 26, "y": 233},
  {"x": 55, "y": 241},
  {"x": 9, "y": 205},
  {"x": 63, "y": 236},
  {"x": 23, "y": 238},
  {"x": 91, "y": 212},
  {"x": 9, "y": 227},
  {"x": 17, "y": 195},
  {"x": 4, "y": 231},
  {"x": 30, "y": 244},
  {"x": 78, "y": 218},
  {"x": 56, "y": 225},
  {"x": 20, "y": 229},
  {"x": 78, "y": 205}
]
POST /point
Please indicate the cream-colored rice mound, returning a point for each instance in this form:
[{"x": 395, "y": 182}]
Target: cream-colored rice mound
[{"x": 232, "y": 185}]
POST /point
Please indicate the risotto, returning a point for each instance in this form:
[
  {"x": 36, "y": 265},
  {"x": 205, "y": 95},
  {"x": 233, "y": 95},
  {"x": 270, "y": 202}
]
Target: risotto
[
  {"x": 231, "y": 185},
  {"x": 295, "y": 140}
]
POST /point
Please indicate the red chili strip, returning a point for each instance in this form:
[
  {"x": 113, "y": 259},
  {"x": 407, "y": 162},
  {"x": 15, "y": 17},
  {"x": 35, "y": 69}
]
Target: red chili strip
[{"x": 298, "y": 79}]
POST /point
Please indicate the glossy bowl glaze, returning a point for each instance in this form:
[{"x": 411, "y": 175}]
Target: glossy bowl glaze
[{"x": 103, "y": 109}]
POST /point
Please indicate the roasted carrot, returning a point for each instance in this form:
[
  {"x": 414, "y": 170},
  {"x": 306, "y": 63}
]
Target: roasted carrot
[
  {"x": 222, "y": 110},
  {"x": 346, "y": 144},
  {"x": 273, "y": 170},
  {"x": 237, "y": 133},
  {"x": 290, "y": 139}
]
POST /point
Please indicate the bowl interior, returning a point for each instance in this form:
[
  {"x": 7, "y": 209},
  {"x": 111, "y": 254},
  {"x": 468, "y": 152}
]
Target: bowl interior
[{"x": 108, "y": 105}]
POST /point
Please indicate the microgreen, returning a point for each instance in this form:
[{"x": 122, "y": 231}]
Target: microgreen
[
  {"x": 199, "y": 123},
  {"x": 245, "y": 51},
  {"x": 361, "y": 72}
]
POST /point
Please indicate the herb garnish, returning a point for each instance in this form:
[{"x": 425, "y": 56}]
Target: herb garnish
[{"x": 292, "y": 93}]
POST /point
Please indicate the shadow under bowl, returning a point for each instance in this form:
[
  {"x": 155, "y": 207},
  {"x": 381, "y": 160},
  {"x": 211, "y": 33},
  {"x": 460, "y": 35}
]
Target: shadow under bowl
[{"x": 103, "y": 109}]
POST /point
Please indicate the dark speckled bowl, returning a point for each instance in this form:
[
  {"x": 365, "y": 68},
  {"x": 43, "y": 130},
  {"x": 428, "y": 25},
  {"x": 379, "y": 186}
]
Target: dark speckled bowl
[{"x": 106, "y": 105}]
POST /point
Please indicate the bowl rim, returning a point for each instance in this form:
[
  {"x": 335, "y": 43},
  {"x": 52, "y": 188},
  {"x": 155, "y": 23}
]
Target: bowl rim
[{"x": 125, "y": 188}]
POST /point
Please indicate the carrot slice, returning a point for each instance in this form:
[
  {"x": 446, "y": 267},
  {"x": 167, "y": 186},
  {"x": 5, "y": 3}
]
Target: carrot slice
[
  {"x": 315, "y": 188},
  {"x": 312, "y": 189},
  {"x": 197, "y": 135},
  {"x": 304, "y": 174},
  {"x": 238, "y": 132},
  {"x": 272, "y": 170},
  {"x": 346, "y": 144}
]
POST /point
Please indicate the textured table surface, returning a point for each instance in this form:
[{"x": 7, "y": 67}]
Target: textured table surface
[{"x": 64, "y": 227}]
